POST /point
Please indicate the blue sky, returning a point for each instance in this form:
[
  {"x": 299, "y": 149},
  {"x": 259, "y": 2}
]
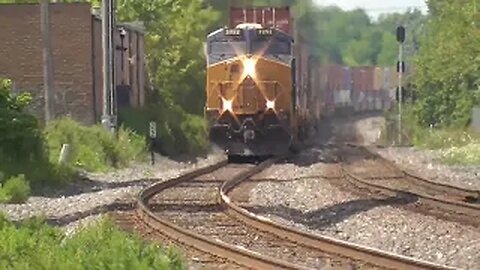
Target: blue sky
[{"x": 376, "y": 7}]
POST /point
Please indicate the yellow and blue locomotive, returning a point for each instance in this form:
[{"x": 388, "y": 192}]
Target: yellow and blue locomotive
[{"x": 251, "y": 104}]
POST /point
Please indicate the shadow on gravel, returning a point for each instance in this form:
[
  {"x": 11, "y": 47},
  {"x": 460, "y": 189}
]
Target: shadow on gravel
[
  {"x": 325, "y": 217},
  {"x": 73, "y": 217},
  {"x": 83, "y": 186},
  {"x": 319, "y": 154}
]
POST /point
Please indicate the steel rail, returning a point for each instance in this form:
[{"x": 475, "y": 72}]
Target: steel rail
[
  {"x": 473, "y": 194},
  {"x": 456, "y": 206},
  {"x": 324, "y": 243},
  {"x": 237, "y": 254}
]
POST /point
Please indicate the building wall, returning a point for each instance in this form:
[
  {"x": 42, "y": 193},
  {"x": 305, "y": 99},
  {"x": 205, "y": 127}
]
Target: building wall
[
  {"x": 21, "y": 56},
  {"x": 77, "y": 58}
]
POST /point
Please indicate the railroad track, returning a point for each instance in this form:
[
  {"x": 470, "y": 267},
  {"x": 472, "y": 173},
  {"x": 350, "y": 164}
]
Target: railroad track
[
  {"x": 195, "y": 211},
  {"x": 367, "y": 170}
]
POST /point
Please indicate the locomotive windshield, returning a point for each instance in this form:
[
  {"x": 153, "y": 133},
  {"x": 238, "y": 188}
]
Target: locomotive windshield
[
  {"x": 271, "y": 47},
  {"x": 231, "y": 48},
  {"x": 271, "y": 44}
]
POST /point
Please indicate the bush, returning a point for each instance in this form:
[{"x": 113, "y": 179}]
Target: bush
[
  {"x": 35, "y": 245},
  {"x": 21, "y": 138},
  {"x": 22, "y": 145},
  {"x": 177, "y": 132},
  {"x": 16, "y": 189},
  {"x": 94, "y": 148},
  {"x": 3, "y": 220},
  {"x": 4, "y": 197}
]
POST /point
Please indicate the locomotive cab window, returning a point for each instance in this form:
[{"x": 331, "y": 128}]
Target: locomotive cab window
[
  {"x": 271, "y": 47},
  {"x": 227, "y": 48}
]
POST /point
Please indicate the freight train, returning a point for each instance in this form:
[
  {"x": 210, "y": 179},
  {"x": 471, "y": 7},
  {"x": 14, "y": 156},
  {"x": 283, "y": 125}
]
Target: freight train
[{"x": 265, "y": 94}]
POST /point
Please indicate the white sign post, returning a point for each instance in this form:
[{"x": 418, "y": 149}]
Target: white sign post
[{"x": 153, "y": 130}]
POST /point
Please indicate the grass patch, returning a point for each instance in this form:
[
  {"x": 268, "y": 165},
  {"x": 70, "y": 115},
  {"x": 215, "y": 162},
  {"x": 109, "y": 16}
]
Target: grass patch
[
  {"x": 444, "y": 138},
  {"x": 464, "y": 155},
  {"x": 34, "y": 245},
  {"x": 94, "y": 148},
  {"x": 458, "y": 146}
]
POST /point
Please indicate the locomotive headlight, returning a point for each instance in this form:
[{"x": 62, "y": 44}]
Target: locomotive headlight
[
  {"x": 249, "y": 67},
  {"x": 270, "y": 104},
  {"x": 227, "y": 105}
]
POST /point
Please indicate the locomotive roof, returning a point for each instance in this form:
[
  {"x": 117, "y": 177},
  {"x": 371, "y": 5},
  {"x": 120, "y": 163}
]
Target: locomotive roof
[{"x": 219, "y": 34}]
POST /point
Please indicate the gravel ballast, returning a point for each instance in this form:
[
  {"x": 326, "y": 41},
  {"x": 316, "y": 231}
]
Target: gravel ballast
[
  {"x": 316, "y": 205},
  {"x": 102, "y": 189},
  {"x": 425, "y": 163}
]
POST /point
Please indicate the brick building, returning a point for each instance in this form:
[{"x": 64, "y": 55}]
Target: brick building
[{"x": 77, "y": 58}]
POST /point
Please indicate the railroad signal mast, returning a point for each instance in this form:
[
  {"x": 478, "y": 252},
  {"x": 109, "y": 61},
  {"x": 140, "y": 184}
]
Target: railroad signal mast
[{"x": 400, "y": 70}]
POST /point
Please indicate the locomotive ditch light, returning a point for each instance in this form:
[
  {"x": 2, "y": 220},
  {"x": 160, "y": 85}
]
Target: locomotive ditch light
[{"x": 270, "y": 105}]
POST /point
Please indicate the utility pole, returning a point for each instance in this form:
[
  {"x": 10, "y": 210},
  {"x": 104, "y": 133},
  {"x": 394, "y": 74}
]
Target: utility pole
[
  {"x": 113, "y": 93},
  {"x": 108, "y": 22},
  {"x": 49, "y": 95},
  {"x": 400, "y": 69}
]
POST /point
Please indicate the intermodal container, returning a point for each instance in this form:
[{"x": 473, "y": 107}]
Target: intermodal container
[
  {"x": 275, "y": 17},
  {"x": 327, "y": 90},
  {"x": 379, "y": 79},
  {"x": 347, "y": 78},
  {"x": 362, "y": 78},
  {"x": 393, "y": 78}
]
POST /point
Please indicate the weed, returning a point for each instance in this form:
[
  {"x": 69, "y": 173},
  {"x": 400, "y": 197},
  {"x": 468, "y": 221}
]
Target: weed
[
  {"x": 16, "y": 189},
  {"x": 464, "y": 155},
  {"x": 94, "y": 148},
  {"x": 34, "y": 245}
]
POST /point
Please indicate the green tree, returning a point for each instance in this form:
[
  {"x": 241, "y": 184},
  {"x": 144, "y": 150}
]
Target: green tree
[
  {"x": 447, "y": 68},
  {"x": 388, "y": 55},
  {"x": 175, "y": 34}
]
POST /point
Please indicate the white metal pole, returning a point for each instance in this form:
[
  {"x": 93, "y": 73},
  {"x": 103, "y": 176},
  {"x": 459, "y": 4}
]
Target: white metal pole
[{"x": 400, "y": 93}]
